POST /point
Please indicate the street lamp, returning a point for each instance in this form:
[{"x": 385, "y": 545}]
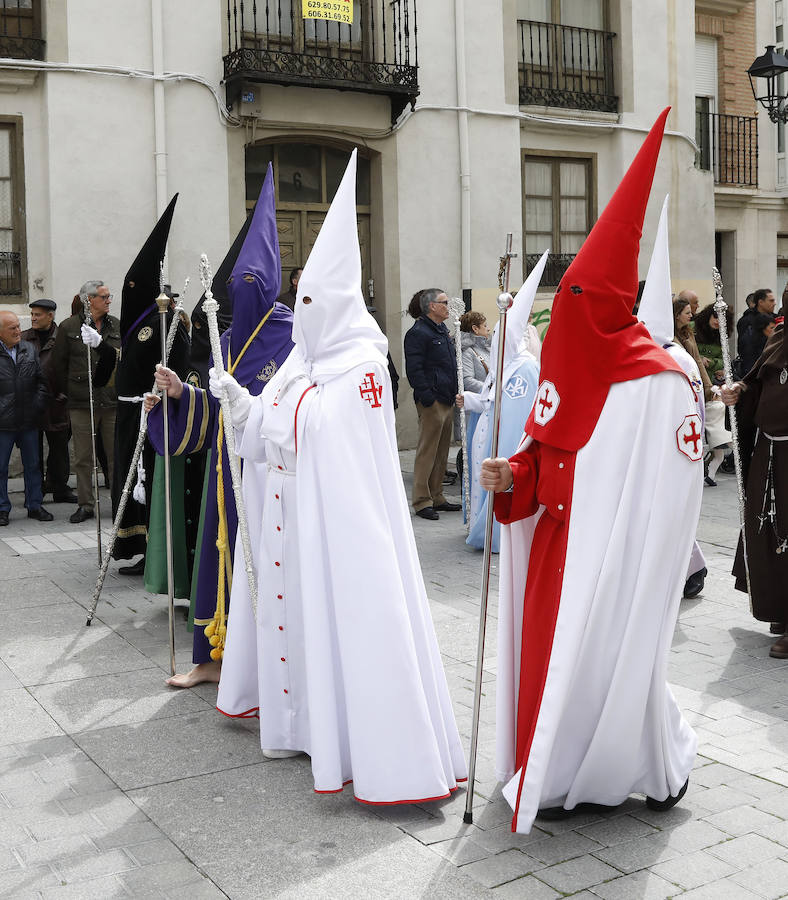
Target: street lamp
[{"x": 770, "y": 66}]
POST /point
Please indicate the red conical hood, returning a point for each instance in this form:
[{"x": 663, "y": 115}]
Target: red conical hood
[{"x": 594, "y": 340}]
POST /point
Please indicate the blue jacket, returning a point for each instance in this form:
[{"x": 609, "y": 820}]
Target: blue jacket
[{"x": 430, "y": 362}]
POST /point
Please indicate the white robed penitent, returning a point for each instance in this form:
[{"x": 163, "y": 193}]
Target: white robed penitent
[{"x": 343, "y": 661}]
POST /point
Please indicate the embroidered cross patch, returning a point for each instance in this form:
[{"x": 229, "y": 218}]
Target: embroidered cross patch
[
  {"x": 689, "y": 437},
  {"x": 370, "y": 390},
  {"x": 547, "y": 402}
]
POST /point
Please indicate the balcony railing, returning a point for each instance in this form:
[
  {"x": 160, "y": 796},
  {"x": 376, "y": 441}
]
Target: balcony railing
[
  {"x": 727, "y": 146},
  {"x": 10, "y": 273},
  {"x": 270, "y": 41},
  {"x": 557, "y": 264},
  {"x": 567, "y": 67},
  {"x": 20, "y": 29}
]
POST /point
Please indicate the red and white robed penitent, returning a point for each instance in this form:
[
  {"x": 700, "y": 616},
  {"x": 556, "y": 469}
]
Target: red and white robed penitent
[{"x": 600, "y": 523}]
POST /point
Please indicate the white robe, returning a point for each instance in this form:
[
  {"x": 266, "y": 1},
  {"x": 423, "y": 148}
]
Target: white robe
[
  {"x": 343, "y": 659},
  {"x": 608, "y": 725}
]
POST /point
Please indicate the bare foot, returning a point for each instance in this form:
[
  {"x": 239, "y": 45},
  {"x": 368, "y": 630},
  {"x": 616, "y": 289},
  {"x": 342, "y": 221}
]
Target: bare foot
[{"x": 202, "y": 672}]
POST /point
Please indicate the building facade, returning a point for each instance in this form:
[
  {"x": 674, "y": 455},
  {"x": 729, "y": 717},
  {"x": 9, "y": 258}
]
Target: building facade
[{"x": 472, "y": 120}]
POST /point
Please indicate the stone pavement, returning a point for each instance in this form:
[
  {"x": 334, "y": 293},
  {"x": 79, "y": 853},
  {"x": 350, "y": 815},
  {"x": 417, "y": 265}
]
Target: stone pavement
[{"x": 113, "y": 785}]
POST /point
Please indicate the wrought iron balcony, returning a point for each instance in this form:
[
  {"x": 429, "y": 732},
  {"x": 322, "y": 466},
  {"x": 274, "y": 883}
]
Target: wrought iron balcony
[
  {"x": 567, "y": 67},
  {"x": 20, "y": 30},
  {"x": 269, "y": 41},
  {"x": 557, "y": 264},
  {"x": 10, "y": 273},
  {"x": 728, "y": 147}
]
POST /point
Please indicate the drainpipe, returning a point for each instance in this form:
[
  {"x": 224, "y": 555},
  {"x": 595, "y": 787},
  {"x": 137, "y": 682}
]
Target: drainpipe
[
  {"x": 159, "y": 119},
  {"x": 465, "y": 153}
]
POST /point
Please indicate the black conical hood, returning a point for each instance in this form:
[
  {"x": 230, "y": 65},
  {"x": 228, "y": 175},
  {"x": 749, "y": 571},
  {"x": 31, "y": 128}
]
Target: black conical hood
[
  {"x": 141, "y": 285},
  {"x": 201, "y": 345}
]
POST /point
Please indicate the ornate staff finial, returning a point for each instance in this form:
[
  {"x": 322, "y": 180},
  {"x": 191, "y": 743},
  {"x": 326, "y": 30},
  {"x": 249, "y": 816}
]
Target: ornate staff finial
[{"x": 716, "y": 280}]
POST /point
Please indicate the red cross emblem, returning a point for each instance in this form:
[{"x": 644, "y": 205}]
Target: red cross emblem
[
  {"x": 547, "y": 400},
  {"x": 370, "y": 390},
  {"x": 689, "y": 437}
]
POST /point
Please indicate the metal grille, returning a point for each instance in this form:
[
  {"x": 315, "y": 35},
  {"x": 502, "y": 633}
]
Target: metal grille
[
  {"x": 10, "y": 273},
  {"x": 728, "y": 146},
  {"x": 567, "y": 67},
  {"x": 20, "y": 29},
  {"x": 557, "y": 264},
  {"x": 270, "y": 41}
]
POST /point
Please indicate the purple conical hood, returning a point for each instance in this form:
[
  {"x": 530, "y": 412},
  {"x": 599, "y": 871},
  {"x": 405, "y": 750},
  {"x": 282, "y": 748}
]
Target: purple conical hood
[{"x": 257, "y": 275}]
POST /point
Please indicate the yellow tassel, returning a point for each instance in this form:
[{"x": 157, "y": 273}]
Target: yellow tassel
[
  {"x": 210, "y": 629},
  {"x": 216, "y": 654}
]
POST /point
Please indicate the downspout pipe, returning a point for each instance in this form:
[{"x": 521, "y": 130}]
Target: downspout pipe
[
  {"x": 465, "y": 152},
  {"x": 159, "y": 114}
]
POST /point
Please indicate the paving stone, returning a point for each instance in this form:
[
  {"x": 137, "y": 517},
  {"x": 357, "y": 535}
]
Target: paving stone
[
  {"x": 742, "y": 820},
  {"x": 116, "y": 699},
  {"x": 747, "y": 850},
  {"x": 768, "y": 880},
  {"x": 641, "y": 885},
  {"x": 694, "y": 870},
  {"x": 499, "y": 869},
  {"x": 102, "y": 888},
  {"x": 26, "y": 719},
  {"x": 576, "y": 874},
  {"x": 460, "y": 851},
  {"x": 84, "y": 866},
  {"x": 562, "y": 847},
  {"x": 166, "y": 749},
  {"x": 617, "y": 830},
  {"x": 640, "y": 853},
  {"x": 526, "y": 888},
  {"x": 720, "y": 890},
  {"x": 40, "y": 853}
]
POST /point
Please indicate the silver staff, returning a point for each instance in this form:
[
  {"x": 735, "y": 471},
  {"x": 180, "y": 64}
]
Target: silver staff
[
  {"x": 211, "y": 308},
  {"x": 96, "y": 500},
  {"x": 721, "y": 308},
  {"x": 132, "y": 473},
  {"x": 163, "y": 302},
  {"x": 457, "y": 308},
  {"x": 504, "y": 302}
]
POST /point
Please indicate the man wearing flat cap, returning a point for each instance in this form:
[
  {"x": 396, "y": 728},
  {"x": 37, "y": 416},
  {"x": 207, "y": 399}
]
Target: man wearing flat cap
[{"x": 54, "y": 419}]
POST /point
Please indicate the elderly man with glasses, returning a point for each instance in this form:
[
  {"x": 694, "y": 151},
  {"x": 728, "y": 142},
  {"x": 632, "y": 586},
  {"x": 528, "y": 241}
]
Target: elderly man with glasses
[
  {"x": 69, "y": 371},
  {"x": 431, "y": 367}
]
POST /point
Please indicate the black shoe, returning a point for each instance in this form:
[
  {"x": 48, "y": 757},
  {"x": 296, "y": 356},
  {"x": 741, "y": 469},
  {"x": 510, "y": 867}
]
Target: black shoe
[
  {"x": 43, "y": 515},
  {"x": 694, "y": 584},
  {"x": 665, "y": 805},
  {"x": 427, "y": 513},
  {"x": 559, "y": 813},
  {"x": 82, "y": 513},
  {"x": 137, "y": 568},
  {"x": 3, "y": 518},
  {"x": 448, "y": 507},
  {"x": 728, "y": 466},
  {"x": 710, "y": 481},
  {"x": 68, "y": 497},
  {"x": 449, "y": 477}
]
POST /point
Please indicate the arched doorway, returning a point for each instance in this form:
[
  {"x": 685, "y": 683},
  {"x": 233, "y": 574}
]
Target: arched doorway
[{"x": 306, "y": 176}]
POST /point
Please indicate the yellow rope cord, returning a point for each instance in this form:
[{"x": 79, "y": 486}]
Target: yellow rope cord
[{"x": 216, "y": 630}]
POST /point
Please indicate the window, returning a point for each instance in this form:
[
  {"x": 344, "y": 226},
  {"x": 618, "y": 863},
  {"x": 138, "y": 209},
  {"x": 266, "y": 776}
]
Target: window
[
  {"x": 558, "y": 195},
  {"x": 578, "y": 13},
  {"x": 12, "y": 231}
]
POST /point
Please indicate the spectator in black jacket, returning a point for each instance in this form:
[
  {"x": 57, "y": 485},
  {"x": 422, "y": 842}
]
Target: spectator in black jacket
[
  {"x": 23, "y": 397},
  {"x": 753, "y": 340},
  {"x": 431, "y": 367}
]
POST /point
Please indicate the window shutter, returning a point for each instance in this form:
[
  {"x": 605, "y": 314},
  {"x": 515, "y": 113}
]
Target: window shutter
[{"x": 706, "y": 67}]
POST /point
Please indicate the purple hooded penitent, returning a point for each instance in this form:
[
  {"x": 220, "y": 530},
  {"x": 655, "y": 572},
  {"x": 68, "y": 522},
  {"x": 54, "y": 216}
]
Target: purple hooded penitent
[{"x": 253, "y": 287}]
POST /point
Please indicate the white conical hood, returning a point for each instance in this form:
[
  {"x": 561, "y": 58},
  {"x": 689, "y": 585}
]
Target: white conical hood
[
  {"x": 656, "y": 304},
  {"x": 517, "y": 319},
  {"x": 335, "y": 332}
]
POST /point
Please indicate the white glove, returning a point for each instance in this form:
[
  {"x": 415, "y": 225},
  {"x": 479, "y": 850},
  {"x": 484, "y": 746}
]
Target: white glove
[
  {"x": 240, "y": 399},
  {"x": 90, "y": 337}
]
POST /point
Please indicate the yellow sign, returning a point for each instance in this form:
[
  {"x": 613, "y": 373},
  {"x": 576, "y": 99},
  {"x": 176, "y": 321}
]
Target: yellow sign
[{"x": 332, "y": 10}]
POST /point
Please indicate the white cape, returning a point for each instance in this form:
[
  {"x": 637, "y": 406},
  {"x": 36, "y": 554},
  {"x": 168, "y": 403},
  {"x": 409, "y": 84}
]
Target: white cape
[{"x": 608, "y": 724}]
